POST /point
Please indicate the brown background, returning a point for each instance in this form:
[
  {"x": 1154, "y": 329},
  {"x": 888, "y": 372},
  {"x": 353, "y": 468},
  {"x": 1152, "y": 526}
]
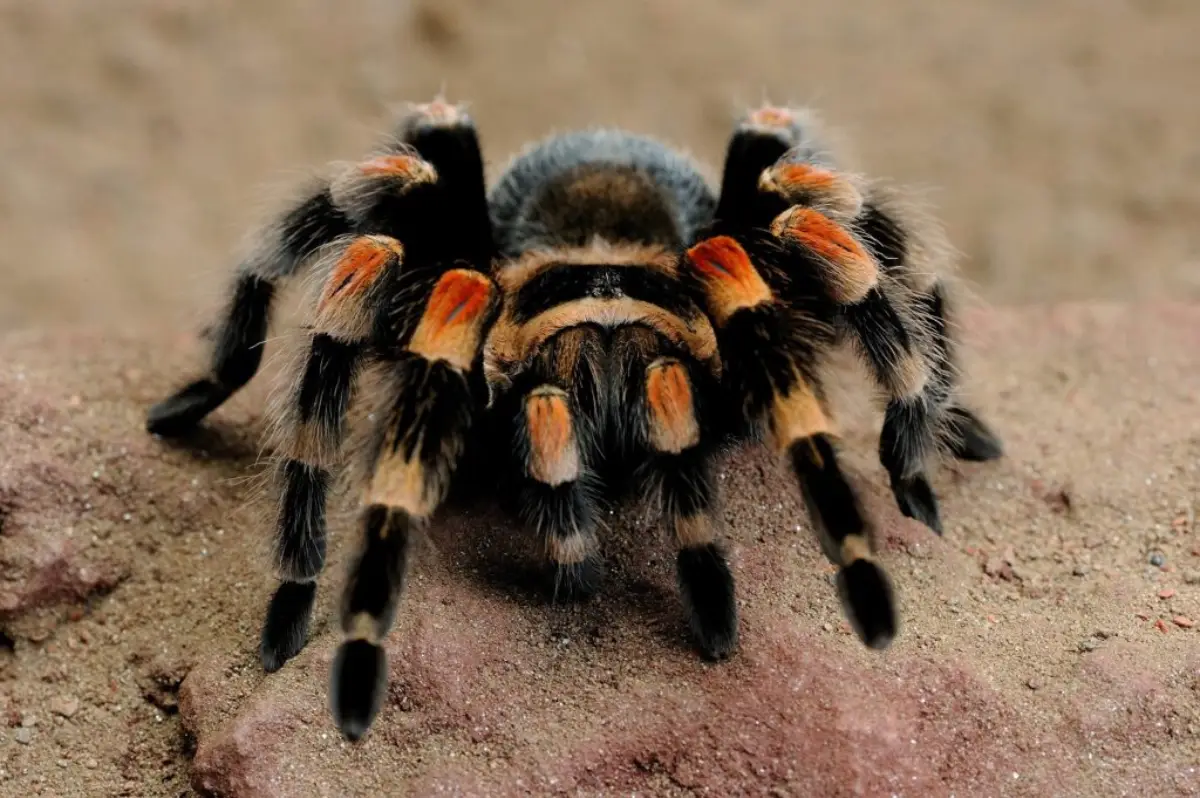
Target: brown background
[{"x": 1061, "y": 139}]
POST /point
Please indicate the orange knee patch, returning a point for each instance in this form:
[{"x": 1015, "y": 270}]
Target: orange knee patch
[
  {"x": 553, "y": 452},
  {"x": 452, "y": 325},
  {"x": 407, "y": 167},
  {"x": 672, "y": 414},
  {"x": 341, "y": 311},
  {"x": 360, "y": 266},
  {"x": 808, "y": 184},
  {"x": 731, "y": 282},
  {"x": 852, "y": 271}
]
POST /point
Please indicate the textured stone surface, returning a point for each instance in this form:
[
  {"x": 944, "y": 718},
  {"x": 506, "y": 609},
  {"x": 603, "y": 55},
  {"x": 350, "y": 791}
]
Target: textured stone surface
[{"x": 1046, "y": 677}]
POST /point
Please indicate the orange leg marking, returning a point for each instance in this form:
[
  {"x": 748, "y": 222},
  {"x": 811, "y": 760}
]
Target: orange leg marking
[
  {"x": 853, "y": 271},
  {"x": 673, "y": 426},
  {"x": 553, "y": 455},
  {"x": 732, "y": 281},
  {"x": 408, "y": 167},
  {"x": 360, "y": 266},
  {"x": 451, "y": 327},
  {"x": 807, "y": 184}
]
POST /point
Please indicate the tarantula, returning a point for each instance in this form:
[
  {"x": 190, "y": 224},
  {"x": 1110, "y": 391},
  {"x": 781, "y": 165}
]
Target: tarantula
[{"x": 600, "y": 322}]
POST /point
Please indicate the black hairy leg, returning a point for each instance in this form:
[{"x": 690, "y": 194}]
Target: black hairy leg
[
  {"x": 417, "y": 448},
  {"x": 678, "y": 477},
  {"x": 311, "y": 431},
  {"x": 433, "y": 201},
  {"x": 835, "y": 511},
  {"x": 240, "y": 333},
  {"x": 968, "y": 438},
  {"x": 775, "y": 380}
]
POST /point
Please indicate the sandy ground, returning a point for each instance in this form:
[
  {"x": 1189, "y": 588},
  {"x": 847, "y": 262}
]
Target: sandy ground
[
  {"x": 1061, "y": 140},
  {"x": 1043, "y": 652}
]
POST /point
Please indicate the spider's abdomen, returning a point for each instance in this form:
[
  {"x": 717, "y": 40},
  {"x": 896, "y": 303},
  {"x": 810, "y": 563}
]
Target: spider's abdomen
[{"x": 575, "y": 188}]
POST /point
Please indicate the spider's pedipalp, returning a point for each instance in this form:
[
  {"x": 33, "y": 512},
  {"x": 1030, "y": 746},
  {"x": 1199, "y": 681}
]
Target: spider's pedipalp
[{"x": 556, "y": 497}]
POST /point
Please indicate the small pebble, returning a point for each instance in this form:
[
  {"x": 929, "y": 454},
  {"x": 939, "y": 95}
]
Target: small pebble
[
  {"x": 91, "y": 763},
  {"x": 1157, "y": 559},
  {"x": 1166, "y": 594},
  {"x": 1081, "y": 570},
  {"x": 23, "y": 735},
  {"x": 1183, "y": 622},
  {"x": 66, "y": 706},
  {"x": 1034, "y": 683},
  {"x": 1191, "y": 578},
  {"x": 828, "y": 627},
  {"x": 1087, "y": 645},
  {"x": 1161, "y": 625}
]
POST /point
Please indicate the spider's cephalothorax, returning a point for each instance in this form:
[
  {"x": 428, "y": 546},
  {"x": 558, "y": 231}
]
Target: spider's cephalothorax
[{"x": 607, "y": 312}]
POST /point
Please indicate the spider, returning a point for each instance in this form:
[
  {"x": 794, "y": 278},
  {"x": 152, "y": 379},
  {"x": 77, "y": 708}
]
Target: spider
[{"x": 600, "y": 323}]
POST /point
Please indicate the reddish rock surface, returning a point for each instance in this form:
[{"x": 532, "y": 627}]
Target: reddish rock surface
[{"x": 1029, "y": 663}]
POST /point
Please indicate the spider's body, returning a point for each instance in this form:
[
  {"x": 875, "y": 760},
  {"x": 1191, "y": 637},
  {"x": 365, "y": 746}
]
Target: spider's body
[{"x": 600, "y": 321}]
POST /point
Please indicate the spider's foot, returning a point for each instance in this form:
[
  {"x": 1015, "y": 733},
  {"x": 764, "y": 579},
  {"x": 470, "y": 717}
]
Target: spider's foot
[
  {"x": 971, "y": 439},
  {"x": 286, "y": 628},
  {"x": 358, "y": 682},
  {"x": 180, "y": 413},
  {"x": 707, "y": 586},
  {"x": 867, "y": 597},
  {"x": 575, "y": 581},
  {"x": 917, "y": 500}
]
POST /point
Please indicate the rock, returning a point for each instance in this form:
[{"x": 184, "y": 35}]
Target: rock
[
  {"x": 485, "y": 698},
  {"x": 23, "y": 735},
  {"x": 998, "y": 567},
  {"x": 66, "y": 706}
]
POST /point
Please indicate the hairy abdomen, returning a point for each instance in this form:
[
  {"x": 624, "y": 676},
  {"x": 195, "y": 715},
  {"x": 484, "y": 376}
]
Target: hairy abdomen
[{"x": 572, "y": 189}]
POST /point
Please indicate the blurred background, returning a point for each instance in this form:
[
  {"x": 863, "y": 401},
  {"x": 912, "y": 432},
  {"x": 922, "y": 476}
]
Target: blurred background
[{"x": 140, "y": 138}]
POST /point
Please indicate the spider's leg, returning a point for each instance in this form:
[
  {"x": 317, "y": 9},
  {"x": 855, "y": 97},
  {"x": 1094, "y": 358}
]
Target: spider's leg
[
  {"x": 678, "y": 475},
  {"x": 417, "y": 448},
  {"x": 362, "y": 273},
  {"x": 801, "y": 427},
  {"x": 913, "y": 359},
  {"x": 393, "y": 193},
  {"x": 237, "y": 340},
  {"x": 961, "y": 431},
  {"x": 774, "y": 377}
]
